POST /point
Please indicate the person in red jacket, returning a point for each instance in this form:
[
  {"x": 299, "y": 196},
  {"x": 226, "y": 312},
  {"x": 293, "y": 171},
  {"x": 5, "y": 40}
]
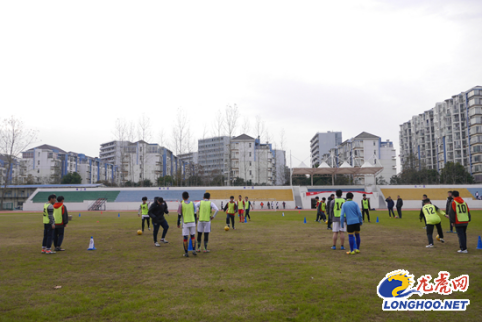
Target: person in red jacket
[
  {"x": 60, "y": 227},
  {"x": 459, "y": 215}
]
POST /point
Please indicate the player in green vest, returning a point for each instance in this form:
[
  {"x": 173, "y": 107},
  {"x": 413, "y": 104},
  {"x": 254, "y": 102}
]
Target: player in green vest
[
  {"x": 247, "y": 208},
  {"x": 49, "y": 225},
  {"x": 144, "y": 211},
  {"x": 365, "y": 205},
  {"x": 231, "y": 209},
  {"x": 432, "y": 217},
  {"x": 61, "y": 217},
  {"x": 241, "y": 207},
  {"x": 335, "y": 215},
  {"x": 205, "y": 208},
  {"x": 187, "y": 211},
  {"x": 459, "y": 215}
]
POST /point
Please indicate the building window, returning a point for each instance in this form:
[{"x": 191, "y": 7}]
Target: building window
[
  {"x": 374, "y": 143},
  {"x": 250, "y": 155},
  {"x": 250, "y": 145}
]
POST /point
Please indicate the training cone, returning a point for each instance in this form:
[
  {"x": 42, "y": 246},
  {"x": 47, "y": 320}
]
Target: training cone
[
  {"x": 299, "y": 212},
  {"x": 101, "y": 212},
  {"x": 118, "y": 215},
  {"x": 79, "y": 214},
  {"x": 479, "y": 243},
  {"x": 283, "y": 214},
  {"x": 378, "y": 220},
  {"x": 245, "y": 220},
  {"x": 190, "y": 245},
  {"x": 91, "y": 244},
  {"x": 304, "y": 221}
]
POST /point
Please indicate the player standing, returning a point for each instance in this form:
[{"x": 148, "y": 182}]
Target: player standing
[
  {"x": 247, "y": 207},
  {"x": 205, "y": 208},
  {"x": 230, "y": 208},
  {"x": 352, "y": 214},
  {"x": 144, "y": 210},
  {"x": 335, "y": 214},
  {"x": 187, "y": 211},
  {"x": 240, "y": 204},
  {"x": 365, "y": 203}
]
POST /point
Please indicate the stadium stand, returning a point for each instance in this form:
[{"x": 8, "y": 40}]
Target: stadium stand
[
  {"x": 76, "y": 196},
  {"x": 168, "y": 195},
  {"x": 334, "y": 189},
  {"x": 416, "y": 194},
  {"x": 255, "y": 194}
]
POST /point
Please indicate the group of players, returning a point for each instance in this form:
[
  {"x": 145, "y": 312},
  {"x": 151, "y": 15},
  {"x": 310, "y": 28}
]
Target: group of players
[
  {"x": 334, "y": 211},
  {"x": 190, "y": 215}
]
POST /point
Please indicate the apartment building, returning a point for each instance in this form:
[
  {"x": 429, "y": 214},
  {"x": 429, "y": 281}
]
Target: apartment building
[{"x": 321, "y": 144}]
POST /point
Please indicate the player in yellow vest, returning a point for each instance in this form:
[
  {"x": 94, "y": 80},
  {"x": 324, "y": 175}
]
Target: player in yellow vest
[
  {"x": 240, "y": 204},
  {"x": 49, "y": 225},
  {"x": 205, "y": 208},
  {"x": 365, "y": 205},
  {"x": 459, "y": 215},
  {"x": 247, "y": 208},
  {"x": 61, "y": 217},
  {"x": 187, "y": 211},
  {"x": 144, "y": 211},
  {"x": 431, "y": 214},
  {"x": 230, "y": 209},
  {"x": 335, "y": 215}
]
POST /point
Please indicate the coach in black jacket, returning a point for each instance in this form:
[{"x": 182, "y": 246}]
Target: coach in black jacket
[
  {"x": 157, "y": 211},
  {"x": 399, "y": 207},
  {"x": 448, "y": 206}
]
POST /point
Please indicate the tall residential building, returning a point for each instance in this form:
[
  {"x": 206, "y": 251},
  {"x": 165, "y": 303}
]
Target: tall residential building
[
  {"x": 365, "y": 147},
  {"x": 139, "y": 161},
  {"x": 321, "y": 144},
  {"x": 449, "y": 132},
  {"x": 251, "y": 160}
]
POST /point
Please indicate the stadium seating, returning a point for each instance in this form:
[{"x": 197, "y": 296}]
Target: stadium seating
[
  {"x": 168, "y": 195},
  {"x": 416, "y": 193},
  {"x": 277, "y": 194},
  {"x": 76, "y": 196}
]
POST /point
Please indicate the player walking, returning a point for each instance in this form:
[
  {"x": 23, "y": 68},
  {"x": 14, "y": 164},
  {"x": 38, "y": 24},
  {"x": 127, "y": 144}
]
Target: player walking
[
  {"x": 230, "y": 208},
  {"x": 247, "y": 207},
  {"x": 336, "y": 214},
  {"x": 240, "y": 204},
  {"x": 144, "y": 210}
]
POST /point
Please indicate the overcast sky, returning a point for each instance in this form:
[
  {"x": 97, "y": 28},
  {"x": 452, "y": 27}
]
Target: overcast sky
[{"x": 69, "y": 69}]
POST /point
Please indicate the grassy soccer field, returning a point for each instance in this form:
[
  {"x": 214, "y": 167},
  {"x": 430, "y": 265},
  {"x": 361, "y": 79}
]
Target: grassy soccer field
[{"x": 273, "y": 268}]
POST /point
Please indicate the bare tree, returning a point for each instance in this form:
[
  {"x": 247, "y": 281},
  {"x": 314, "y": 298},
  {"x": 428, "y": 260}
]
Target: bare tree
[
  {"x": 144, "y": 134},
  {"x": 180, "y": 135},
  {"x": 14, "y": 138},
  {"x": 230, "y": 124},
  {"x": 281, "y": 171},
  {"x": 259, "y": 128},
  {"x": 218, "y": 124},
  {"x": 124, "y": 132}
]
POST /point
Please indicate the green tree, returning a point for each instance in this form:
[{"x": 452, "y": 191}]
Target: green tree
[
  {"x": 455, "y": 173},
  {"x": 71, "y": 178}
]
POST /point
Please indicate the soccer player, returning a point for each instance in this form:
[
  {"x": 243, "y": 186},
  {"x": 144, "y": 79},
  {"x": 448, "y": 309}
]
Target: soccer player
[
  {"x": 262, "y": 204},
  {"x": 450, "y": 199},
  {"x": 205, "y": 208},
  {"x": 365, "y": 205},
  {"x": 424, "y": 197},
  {"x": 318, "y": 214},
  {"x": 352, "y": 214},
  {"x": 430, "y": 212},
  {"x": 156, "y": 212},
  {"x": 61, "y": 217},
  {"x": 284, "y": 205},
  {"x": 144, "y": 210},
  {"x": 323, "y": 209},
  {"x": 187, "y": 211},
  {"x": 460, "y": 217},
  {"x": 335, "y": 214},
  {"x": 49, "y": 225},
  {"x": 247, "y": 207},
  {"x": 231, "y": 209},
  {"x": 240, "y": 204},
  {"x": 329, "y": 210},
  {"x": 399, "y": 206}
]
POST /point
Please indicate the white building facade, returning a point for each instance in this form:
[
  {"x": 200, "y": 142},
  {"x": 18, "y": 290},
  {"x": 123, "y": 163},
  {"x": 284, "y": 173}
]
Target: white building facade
[{"x": 322, "y": 143}]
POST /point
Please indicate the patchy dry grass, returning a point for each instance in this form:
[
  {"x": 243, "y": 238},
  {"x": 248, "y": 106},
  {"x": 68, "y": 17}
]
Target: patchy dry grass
[{"x": 271, "y": 269}]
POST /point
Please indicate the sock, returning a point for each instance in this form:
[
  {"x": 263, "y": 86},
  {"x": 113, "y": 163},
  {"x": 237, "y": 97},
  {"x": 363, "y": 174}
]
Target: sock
[
  {"x": 351, "y": 240},
  {"x": 205, "y": 245},
  {"x": 185, "y": 245},
  {"x": 357, "y": 237},
  {"x": 199, "y": 236},
  {"x": 193, "y": 241}
]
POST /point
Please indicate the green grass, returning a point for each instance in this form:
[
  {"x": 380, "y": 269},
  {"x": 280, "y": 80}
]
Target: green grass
[{"x": 272, "y": 269}]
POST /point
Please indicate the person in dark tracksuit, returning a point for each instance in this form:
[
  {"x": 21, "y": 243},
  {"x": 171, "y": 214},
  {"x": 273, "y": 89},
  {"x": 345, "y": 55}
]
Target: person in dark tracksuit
[
  {"x": 399, "y": 207},
  {"x": 365, "y": 206},
  {"x": 156, "y": 212},
  {"x": 390, "y": 205},
  {"x": 317, "y": 207},
  {"x": 329, "y": 209},
  {"x": 61, "y": 217},
  {"x": 450, "y": 199},
  {"x": 459, "y": 215},
  {"x": 424, "y": 197}
]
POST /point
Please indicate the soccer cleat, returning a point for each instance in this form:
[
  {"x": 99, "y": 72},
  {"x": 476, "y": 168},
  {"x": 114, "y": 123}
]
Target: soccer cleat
[
  {"x": 429, "y": 246},
  {"x": 149, "y": 228},
  {"x": 164, "y": 241},
  {"x": 43, "y": 250},
  {"x": 198, "y": 250},
  {"x": 194, "y": 253},
  {"x": 351, "y": 253},
  {"x": 50, "y": 252},
  {"x": 442, "y": 240},
  {"x": 206, "y": 251},
  {"x": 157, "y": 244},
  {"x": 357, "y": 251},
  {"x": 333, "y": 247},
  {"x": 58, "y": 249},
  {"x": 342, "y": 247},
  {"x": 185, "y": 255},
  {"x": 462, "y": 251}
]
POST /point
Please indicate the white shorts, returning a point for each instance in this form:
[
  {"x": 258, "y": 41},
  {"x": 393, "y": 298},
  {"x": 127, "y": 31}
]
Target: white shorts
[
  {"x": 191, "y": 230},
  {"x": 204, "y": 227},
  {"x": 337, "y": 227}
]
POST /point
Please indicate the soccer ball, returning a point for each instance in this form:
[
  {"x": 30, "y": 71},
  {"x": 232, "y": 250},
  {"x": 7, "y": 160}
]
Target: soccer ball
[
  {"x": 139, "y": 232},
  {"x": 226, "y": 228},
  {"x": 437, "y": 237}
]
